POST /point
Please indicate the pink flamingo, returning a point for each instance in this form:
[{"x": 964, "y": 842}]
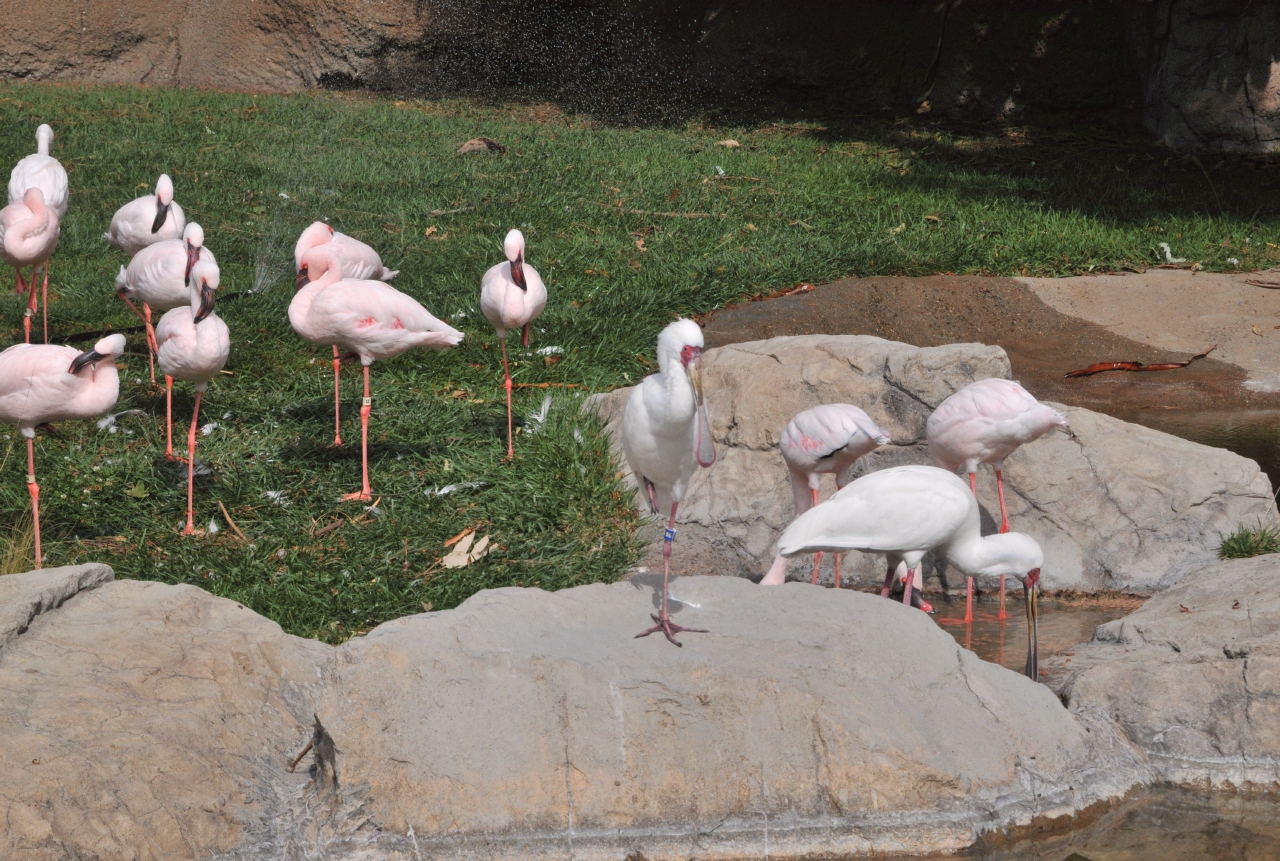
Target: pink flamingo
[
  {"x": 906, "y": 511},
  {"x": 827, "y": 438},
  {"x": 985, "y": 422},
  {"x": 28, "y": 234},
  {"x": 159, "y": 276},
  {"x": 42, "y": 383},
  {"x": 367, "y": 318},
  {"x": 666, "y": 436},
  {"x": 193, "y": 345},
  {"x": 512, "y": 295},
  {"x": 43, "y": 171},
  {"x": 146, "y": 220},
  {"x": 359, "y": 262}
]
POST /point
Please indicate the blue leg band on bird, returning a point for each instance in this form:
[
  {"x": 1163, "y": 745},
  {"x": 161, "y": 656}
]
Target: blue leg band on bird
[{"x": 669, "y": 535}]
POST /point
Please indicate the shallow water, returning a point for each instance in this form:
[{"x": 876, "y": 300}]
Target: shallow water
[{"x": 1254, "y": 434}]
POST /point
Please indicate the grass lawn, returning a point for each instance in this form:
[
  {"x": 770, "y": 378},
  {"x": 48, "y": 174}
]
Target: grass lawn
[{"x": 629, "y": 227}]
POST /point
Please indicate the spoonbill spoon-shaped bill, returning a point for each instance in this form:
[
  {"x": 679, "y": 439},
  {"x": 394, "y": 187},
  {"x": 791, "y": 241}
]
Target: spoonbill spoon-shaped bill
[
  {"x": 359, "y": 262},
  {"x": 512, "y": 296},
  {"x": 367, "y": 318},
  {"x": 146, "y": 220},
  {"x": 985, "y": 422},
  {"x": 42, "y": 383},
  {"x": 906, "y": 511},
  {"x": 666, "y": 436},
  {"x": 159, "y": 277},
  {"x": 194, "y": 345},
  {"x": 826, "y": 439},
  {"x": 43, "y": 171},
  {"x": 29, "y": 233}
]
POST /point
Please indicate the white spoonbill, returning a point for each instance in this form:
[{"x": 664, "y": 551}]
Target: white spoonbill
[
  {"x": 906, "y": 511},
  {"x": 28, "y": 234},
  {"x": 827, "y": 438},
  {"x": 367, "y": 318},
  {"x": 512, "y": 295},
  {"x": 41, "y": 383},
  {"x": 985, "y": 422},
  {"x": 43, "y": 171},
  {"x": 159, "y": 276},
  {"x": 666, "y": 435},
  {"x": 146, "y": 220},
  {"x": 359, "y": 262},
  {"x": 194, "y": 345}
]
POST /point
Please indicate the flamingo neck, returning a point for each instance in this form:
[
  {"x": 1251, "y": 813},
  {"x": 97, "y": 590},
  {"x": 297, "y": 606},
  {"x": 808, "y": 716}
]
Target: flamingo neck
[{"x": 39, "y": 222}]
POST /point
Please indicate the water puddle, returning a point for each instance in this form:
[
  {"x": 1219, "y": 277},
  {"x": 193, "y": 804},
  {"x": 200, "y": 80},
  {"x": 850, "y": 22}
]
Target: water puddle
[{"x": 1253, "y": 434}]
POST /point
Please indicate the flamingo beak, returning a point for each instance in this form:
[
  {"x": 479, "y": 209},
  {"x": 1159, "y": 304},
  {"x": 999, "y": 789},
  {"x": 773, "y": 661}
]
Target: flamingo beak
[
  {"x": 80, "y": 361},
  {"x": 304, "y": 278},
  {"x": 193, "y": 255},
  {"x": 517, "y": 272},
  {"x": 162, "y": 212},
  {"x": 206, "y": 302},
  {"x": 1029, "y": 591}
]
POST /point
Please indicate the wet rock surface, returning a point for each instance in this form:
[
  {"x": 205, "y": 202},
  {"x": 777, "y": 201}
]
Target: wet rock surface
[
  {"x": 1193, "y": 676},
  {"x": 1116, "y": 506}
]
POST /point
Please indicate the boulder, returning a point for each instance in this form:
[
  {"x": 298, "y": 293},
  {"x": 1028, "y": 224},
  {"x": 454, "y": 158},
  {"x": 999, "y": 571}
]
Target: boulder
[
  {"x": 1193, "y": 676},
  {"x": 1116, "y": 506},
  {"x": 527, "y": 724}
]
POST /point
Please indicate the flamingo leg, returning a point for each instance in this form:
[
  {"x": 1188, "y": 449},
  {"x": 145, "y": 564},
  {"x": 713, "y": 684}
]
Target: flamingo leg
[
  {"x": 44, "y": 300},
  {"x": 968, "y": 599},
  {"x": 34, "y": 489},
  {"x": 365, "y": 494},
  {"x": 337, "y": 400},
  {"x": 168, "y": 419},
  {"x": 31, "y": 309},
  {"x": 506, "y": 384},
  {"x": 1004, "y": 527},
  {"x": 663, "y": 621},
  {"x": 838, "y": 557},
  {"x": 191, "y": 465},
  {"x": 524, "y": 335},
  {"x": 888, "y": 580},
  {"x": 817, "y": 557},
  {"x": 153, "y": 349}
]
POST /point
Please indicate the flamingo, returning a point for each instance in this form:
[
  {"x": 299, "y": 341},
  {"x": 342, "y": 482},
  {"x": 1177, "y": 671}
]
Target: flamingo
[
  {"x": 146, "y": 220},
  {"x": 367, "y": 318},
  {"x": 906, "y": 511},
  {"x": 193, "y": 344},
  {"x": 666, "y": 435},
  {"x": 985, "y": 422},
  {"x": 827, "y": 438},
  {"x": 359, "y": 262},
  {"x": 159, "y": 276},
  {"x": 28, "y": 234},
  {"x": 41, "y": 383},
  {"x": 43, "y": 171},
  {"x": 512, "y": 295}
]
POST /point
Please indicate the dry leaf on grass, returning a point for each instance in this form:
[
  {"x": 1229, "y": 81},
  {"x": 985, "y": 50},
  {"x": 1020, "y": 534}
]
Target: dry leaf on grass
[
  {"x": 481, "y": 144},
  {"x": 731, "y": 143},
  {"x": 463, "y": 552}
]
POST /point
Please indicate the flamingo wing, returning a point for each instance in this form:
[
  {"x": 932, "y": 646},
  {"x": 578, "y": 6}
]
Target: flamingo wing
[{"x": 366, "y": 312}]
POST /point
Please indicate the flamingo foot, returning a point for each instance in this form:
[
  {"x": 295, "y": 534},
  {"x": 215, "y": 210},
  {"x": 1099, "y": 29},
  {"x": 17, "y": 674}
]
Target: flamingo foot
[
  {"x": 670, "y": 628},
  {"x": 359, "y": 496}
]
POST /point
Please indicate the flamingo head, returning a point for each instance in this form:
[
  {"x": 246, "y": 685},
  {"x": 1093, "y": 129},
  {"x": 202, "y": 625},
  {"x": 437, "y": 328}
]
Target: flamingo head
[
  {"x": 513, "y": 245},
  {"x": 316, "y": 264},
  {"x": 193, "y": 237},
  {"x": 317, "y": 234},
  {"x": 44, "y": 137},
  {"x": 204, "y": 281},
  {"x": 109, "y": 348},
  {"x": 164, "y": 197}
]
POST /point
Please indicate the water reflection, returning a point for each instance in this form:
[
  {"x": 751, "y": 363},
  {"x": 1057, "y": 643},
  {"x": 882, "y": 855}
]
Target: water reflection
[{"x": 1254, "y": 434}]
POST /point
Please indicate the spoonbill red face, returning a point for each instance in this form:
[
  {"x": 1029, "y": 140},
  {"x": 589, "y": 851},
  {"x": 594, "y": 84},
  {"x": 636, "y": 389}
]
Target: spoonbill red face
[{"x": 689, "y": 356}]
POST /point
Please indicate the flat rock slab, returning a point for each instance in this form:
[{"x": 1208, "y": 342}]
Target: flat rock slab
[
  {"x": 1193, "y": 675},
  {"x": 1116, "y": 506},
  {"x": 807, "y": 723}
]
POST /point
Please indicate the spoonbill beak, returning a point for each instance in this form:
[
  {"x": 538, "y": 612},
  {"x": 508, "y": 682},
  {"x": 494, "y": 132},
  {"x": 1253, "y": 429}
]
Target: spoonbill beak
[
  {"x": 304, "y": 278},
  {"x": 206, "y": 302},
  {"x": 162, "y": 212},
  {"x": 1029, "y": 590},
  {"x": 695, "y": 376},
  {"x": 87, "y": 358},
  {"x": 193, "y": 255},
  {"x": 517, "y": 272}
]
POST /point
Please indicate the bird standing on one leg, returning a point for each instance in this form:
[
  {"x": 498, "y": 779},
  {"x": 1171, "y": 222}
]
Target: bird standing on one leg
[
  {"x": 827, "y": 438},
  {"x": 906, "y": 511},
  {"x": 359, "y": 262},
  {"x": 985, "y": 422},
  {"x": 512, "y": 296},
  {"x": 43, "y": 171},
  {"x": 28, "y": 235},
  {"x": 666, "y": 435},
  {"x": 42, "y": 383},
  {"x": 146, "y": 220},
  {"x": 194, "y": 345},
  {"x": 367, "y": 318}
]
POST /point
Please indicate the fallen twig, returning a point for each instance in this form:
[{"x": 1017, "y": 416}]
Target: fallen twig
[
  {"x": 450, "y": 211},
  {"x": 232, "y": 523},
  {"x": 548, "y": 385},
  {"x": 1270, "y": 285},
  {"x": 325, "y": 530},
  {"x": 1102, "y": 367},
  {"x": 662, "y": 214}
]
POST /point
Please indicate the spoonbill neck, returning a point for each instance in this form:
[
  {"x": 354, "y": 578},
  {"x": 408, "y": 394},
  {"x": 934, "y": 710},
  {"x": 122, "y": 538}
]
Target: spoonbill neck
[{"x": 1007, "y": 553}]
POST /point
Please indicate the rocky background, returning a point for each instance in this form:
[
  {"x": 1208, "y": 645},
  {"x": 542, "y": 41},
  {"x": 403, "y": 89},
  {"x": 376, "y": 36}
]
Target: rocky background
[{"x": 1197, "y": 74}]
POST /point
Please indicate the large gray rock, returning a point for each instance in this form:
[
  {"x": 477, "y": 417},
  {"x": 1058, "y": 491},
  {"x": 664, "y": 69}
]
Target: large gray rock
[
  {"x": 1193, "y": 676},
  {"x": 526, "y": 724},
  {"x": 1115, "y": 505}
]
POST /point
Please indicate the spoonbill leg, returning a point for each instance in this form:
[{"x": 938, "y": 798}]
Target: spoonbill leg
[{"x": 663, "y": 621}]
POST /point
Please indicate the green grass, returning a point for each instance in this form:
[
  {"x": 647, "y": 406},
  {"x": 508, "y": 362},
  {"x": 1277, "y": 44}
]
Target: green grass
[
  {"x": 1249, "y": 541},
  {"x": 629, "y": 227}
]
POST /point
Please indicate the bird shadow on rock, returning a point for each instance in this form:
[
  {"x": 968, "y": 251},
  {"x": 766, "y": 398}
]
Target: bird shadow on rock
[{"x": 652, "y": 580}]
